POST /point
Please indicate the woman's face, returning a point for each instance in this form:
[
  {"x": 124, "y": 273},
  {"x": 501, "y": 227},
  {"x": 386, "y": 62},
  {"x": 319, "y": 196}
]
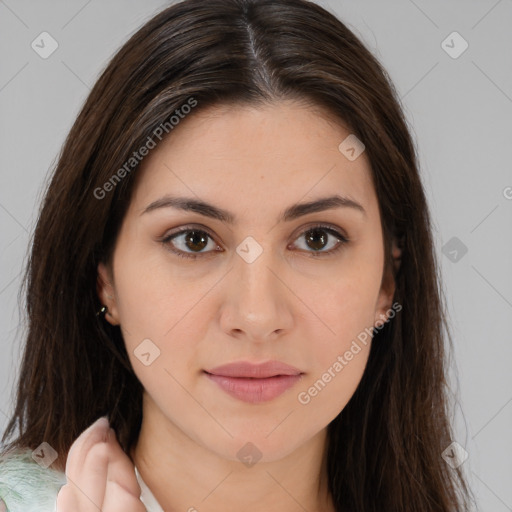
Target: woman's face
[{"x": 260, "y": 282}]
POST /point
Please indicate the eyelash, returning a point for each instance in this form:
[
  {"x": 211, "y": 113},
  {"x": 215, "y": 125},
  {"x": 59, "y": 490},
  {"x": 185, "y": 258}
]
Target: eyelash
[{"x": 165, "y": 241}]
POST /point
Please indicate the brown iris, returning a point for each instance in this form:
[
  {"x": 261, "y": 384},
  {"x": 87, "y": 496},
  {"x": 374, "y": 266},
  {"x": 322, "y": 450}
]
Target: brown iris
[
  {"x": 196, "y": 240},
  {"x": 316, "y": 238}
]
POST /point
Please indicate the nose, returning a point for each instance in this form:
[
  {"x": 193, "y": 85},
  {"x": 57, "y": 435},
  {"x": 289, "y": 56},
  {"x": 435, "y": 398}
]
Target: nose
[{"x": 258, "y": 301}]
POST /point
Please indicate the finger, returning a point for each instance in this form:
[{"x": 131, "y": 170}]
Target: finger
[
  {"x": 94, "y": 459},
  {"x": 121, "y": 468},
  {"x": 66, "y": 501},
  {"x": 117, "y": 499},
  {"x": 80, "y": 448},
  {"x": 106, "y": 461},
  {"x": 90, "y": 482}
]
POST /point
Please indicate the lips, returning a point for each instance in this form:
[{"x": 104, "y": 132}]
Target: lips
[
  {"x": 257, "y": 371},
  {"x": 254, "y": 383}
]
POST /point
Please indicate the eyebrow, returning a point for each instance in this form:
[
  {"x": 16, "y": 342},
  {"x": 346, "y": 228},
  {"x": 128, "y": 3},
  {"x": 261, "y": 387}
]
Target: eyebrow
[{"x": 291, "y": 213}]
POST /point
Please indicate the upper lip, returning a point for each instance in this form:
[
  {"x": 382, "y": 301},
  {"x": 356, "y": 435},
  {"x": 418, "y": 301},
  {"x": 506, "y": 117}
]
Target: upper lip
[{"x": 258, "y": 371}]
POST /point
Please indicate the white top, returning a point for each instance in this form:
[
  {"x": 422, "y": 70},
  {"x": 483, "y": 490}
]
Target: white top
[{"x": 147, "y": 496}]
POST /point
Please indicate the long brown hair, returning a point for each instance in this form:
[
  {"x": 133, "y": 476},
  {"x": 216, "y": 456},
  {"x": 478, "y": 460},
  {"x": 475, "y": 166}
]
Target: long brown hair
[{"x": 384, "y": 450}]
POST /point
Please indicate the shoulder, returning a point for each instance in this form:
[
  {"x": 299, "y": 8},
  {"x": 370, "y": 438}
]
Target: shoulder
[{"x": 25, "y": 486}]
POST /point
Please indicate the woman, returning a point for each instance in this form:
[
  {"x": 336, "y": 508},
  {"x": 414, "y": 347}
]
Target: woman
[{"x": 234, "y": 264}]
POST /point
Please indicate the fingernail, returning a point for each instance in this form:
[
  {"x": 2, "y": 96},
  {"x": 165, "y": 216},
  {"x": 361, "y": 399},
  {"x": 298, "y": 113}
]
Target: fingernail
[{"x": 102, "y": 422}]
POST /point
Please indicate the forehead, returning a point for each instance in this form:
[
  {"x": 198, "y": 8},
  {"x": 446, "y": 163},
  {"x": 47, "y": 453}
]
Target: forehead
[{"x": 254, "y": 157}]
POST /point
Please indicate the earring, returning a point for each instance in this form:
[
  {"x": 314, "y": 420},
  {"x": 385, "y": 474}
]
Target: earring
[{"x": 104, "y": 309}]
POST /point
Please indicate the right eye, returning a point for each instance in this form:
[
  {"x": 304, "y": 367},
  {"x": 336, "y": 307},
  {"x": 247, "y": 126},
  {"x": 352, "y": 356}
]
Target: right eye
[{"x": 193, "y": 239}]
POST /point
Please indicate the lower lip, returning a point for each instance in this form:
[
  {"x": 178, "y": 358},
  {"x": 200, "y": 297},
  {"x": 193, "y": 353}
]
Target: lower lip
[{"x": 255, "y": 390}]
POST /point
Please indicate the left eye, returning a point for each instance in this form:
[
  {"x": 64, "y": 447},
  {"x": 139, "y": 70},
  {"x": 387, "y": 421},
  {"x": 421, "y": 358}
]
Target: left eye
[
  {"x": 316, "y": 237},
  {"x": 197, "y": 240}
]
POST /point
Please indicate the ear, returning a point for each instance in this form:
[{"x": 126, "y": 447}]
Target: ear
[
  {"x": 388, "y": 286},
  {"x": 106, "y": 293}
]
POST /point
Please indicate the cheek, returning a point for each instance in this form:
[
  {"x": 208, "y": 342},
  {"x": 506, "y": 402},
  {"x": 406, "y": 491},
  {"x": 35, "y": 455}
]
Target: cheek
[
  {"x": 338, "y": 360},
  {"x": 346, "y": 309},
  {"x": 152, "y": 295},
  {"x": 325, "y": 394},
  {"x": 155, "y": 310},
  {"x": 340, "y": 343}
]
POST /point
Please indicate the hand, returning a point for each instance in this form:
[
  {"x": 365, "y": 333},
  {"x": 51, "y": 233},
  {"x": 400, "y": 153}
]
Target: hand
[{"x": 100, "y": 476}]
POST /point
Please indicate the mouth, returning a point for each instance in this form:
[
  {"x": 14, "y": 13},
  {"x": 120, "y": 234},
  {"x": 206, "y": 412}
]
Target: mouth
[{"x": 255, "y": 383}]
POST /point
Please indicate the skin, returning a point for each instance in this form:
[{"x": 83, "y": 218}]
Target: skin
[
  {"x": 99, "y": 475},
  {"x": 218, "y": 308}
]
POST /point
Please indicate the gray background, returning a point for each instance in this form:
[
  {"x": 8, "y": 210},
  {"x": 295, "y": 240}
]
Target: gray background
[{"x": 459, "y": 110}]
